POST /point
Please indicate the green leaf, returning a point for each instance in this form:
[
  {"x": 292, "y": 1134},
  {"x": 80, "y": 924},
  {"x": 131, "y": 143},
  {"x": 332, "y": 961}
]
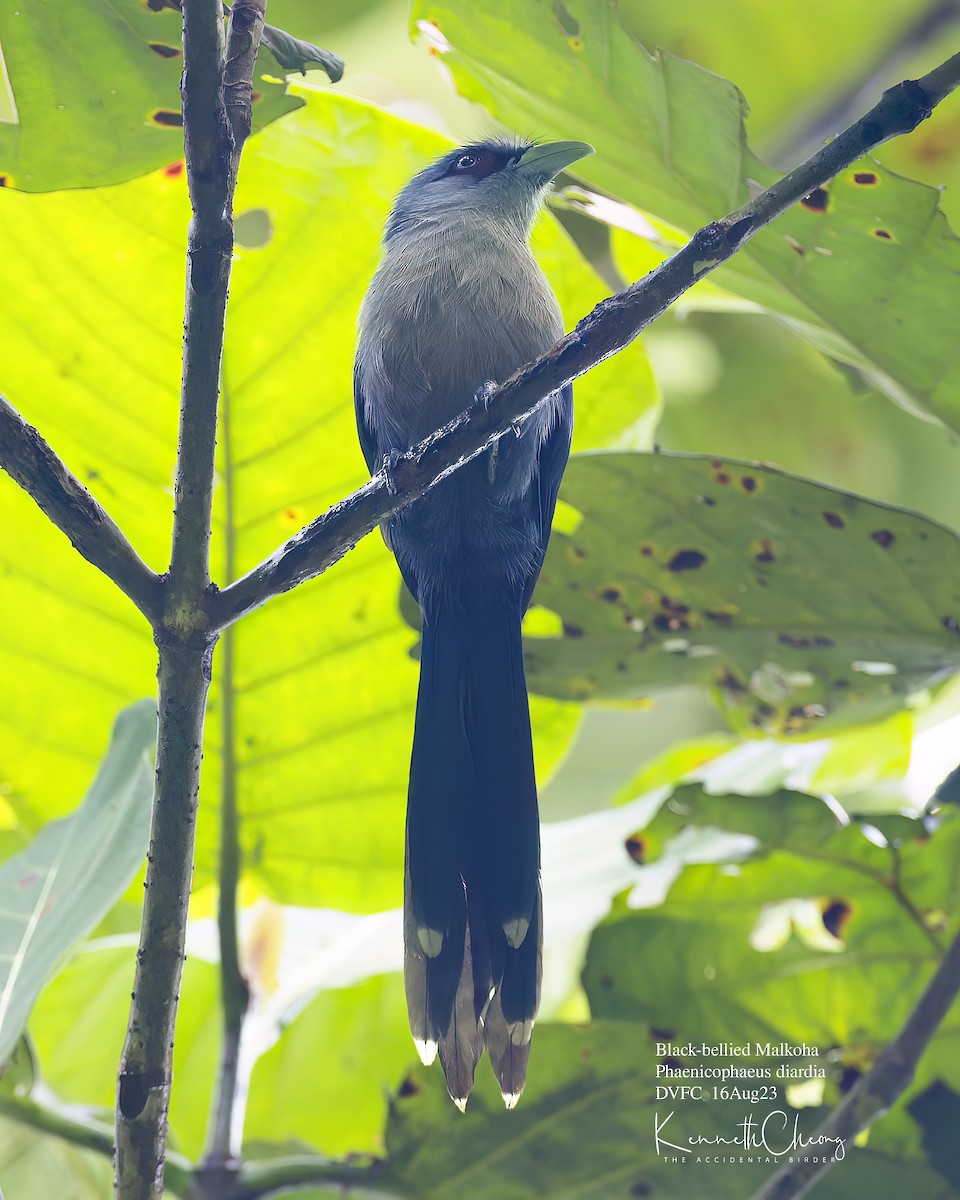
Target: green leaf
[
  {"x": 584, "y": 1128},
  {"x": 869, "y": 269},
  {"x": 295, "y": 55},
  {"x": 789, "y": 820},
  {"x": 77, "y": 1027},
  {"x": 800, "y": 70},
  {"x": 937, "y": 1112},
  {"x": 817, "y": 940},
  {"x": 96, "y": 92},
  {"x": 718, "y": 982},
  {"x": 805, "y": 86},
  {"x": 802, "y": 606},
  {"x": 362, "y": 1037},
  {"x": 61, "y": 886},
  {"x": 320, "y": 674},
  {"x": 34, "y": 1164}
]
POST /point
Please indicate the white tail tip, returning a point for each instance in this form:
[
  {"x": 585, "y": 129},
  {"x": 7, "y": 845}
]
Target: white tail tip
[
  {"x": 426, "y": 1050},
  {"x": 510, "y": 1099},
  {"x": 460, "y": 1102}
]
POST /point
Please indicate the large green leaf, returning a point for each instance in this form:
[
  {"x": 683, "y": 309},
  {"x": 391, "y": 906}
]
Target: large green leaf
[
  {"x": 822, "y": 936},
  {"x": 95, "y": 87},
  {"x": 323, "y": 673},
  {"x": 799, "y": 604},
  {"x": 78, "y": 1025},
  {"x": 809, "y": 80},
  {"x": 804, "y": 64},
  {"x": 869, "y": 267},
  {"x": 34, "y": 1164},
  {"x": 688, "y": 971},
  {"x": 584, "y": 1129},
  {"x": 362, "y": 1038},
  {"x": 60, "y": 886}
]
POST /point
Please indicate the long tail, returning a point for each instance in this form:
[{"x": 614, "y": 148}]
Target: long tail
[{"x": 472, "y": 912}]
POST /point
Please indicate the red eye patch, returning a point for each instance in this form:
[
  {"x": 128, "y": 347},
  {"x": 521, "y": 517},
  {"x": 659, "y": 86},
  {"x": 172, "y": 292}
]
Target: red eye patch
[{"x": 477, "y": 163}]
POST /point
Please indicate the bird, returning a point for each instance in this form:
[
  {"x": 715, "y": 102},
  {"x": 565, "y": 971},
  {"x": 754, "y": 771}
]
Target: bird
[{"x": 456, "y": 305}]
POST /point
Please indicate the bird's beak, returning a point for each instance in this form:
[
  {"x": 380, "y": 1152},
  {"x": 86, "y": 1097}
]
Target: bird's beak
[{"x": 547, "y": 161}]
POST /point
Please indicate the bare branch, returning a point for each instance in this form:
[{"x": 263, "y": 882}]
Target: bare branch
[
  {"x": 358, "y": 1179},
  {"x": 146, "y": 1064},
  {"x": 612, "y": 325},
  {"x": 222, "y": 1153},
  {"x": 31, "y": 462},
  {"x": 209, "y": 148},
  {"x": 243, "y": 42},
  {"x": 225, "y": 1129},
  {"x": 874, "y": 1093},
  {"x": 213, "y": 141}
]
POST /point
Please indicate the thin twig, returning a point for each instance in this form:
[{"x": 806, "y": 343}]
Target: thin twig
[
  {"x": 31, "y": 463},
  {"x": 243, "y": 42},
  {"x": 184, "y": 638},
  {"x": 80, "y": 1130},
  {"x": 613, "y": 324},
  {"x": 222, "y": 1154},
  {"x": 226, "y": 1114},
  {"x": 894, "y": 885},
  {"x": 875, "y": 1092},
  {"x": 359, "y": 1180}
]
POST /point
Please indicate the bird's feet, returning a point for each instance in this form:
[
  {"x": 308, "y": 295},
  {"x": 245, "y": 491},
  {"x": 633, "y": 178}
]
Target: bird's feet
[
  {"x": 484, "y": 393},
  {"x": 390, "y": 460}
]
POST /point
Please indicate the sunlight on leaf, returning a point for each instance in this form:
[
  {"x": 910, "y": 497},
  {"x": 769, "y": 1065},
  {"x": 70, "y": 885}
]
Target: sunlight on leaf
[
  {"x": 868, "y": 268},
  {"x": 57, "y": 889}
]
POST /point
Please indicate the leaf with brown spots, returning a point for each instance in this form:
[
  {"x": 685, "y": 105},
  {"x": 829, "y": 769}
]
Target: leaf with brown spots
[
  {"x": 853, "y": 610},
  {"x": 686, "y": 560},
  {"x": 808, "y": 937},
  {"x": 671, "y": 141},
  {"x": 111, "y": 110},
  {"x": 583, "y": 1127},
  {"x": 817, "y": 201}
]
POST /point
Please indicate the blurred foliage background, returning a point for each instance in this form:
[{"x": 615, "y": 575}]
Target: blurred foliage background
[{"x": 714, "y": 926}]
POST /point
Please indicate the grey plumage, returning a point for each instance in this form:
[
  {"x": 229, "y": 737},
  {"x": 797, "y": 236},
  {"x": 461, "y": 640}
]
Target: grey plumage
[{"x": 457, "y": 301}]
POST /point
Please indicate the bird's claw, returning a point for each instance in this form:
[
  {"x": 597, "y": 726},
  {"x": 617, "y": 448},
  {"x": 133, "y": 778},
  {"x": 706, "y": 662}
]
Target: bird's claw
[
  {"x": 484, "y": 393},
  {"x": 390, "y": 460}
]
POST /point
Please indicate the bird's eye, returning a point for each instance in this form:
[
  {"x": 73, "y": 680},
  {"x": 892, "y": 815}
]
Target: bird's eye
[{"x": 466, "y": 161}]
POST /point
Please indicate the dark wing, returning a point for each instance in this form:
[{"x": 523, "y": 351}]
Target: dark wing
[
  {"x": 368, "y": 443},
  {"x": 373, "y": 456},
  {"x": 553, "y": 460}
]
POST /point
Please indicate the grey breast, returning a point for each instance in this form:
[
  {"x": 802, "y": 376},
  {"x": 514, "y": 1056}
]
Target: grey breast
[{"x": 438, "y": 322}]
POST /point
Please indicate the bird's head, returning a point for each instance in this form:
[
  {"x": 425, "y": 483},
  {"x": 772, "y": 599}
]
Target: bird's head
[{"x": 496, "y": 182}]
